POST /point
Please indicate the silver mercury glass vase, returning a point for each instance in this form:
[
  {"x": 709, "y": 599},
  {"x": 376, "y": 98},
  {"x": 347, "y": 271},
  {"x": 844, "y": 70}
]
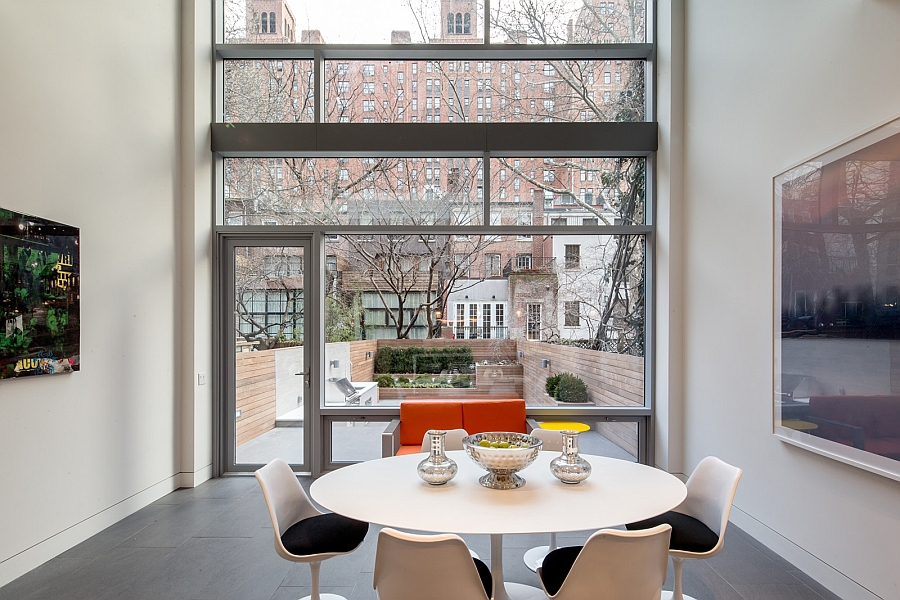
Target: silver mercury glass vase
[
  {"x": 569, "y": 467},
  {"x": 437, "y": 469}
]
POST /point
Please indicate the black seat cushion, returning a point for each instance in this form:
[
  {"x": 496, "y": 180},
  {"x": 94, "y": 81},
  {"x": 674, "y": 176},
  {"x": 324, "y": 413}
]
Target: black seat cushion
[
  {"x": 556, "y": 567},
  {"x": 324, "y": 533},
  {"x": 485, "y": 573},
  {"x": 688, "y": 534}
]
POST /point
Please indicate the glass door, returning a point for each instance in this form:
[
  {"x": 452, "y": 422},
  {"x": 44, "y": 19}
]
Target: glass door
[{"x": 267, "y": 383}]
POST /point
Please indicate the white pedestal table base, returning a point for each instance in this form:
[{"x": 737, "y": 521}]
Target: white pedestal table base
[
  {"x": 671, "y": 596},
  {"x": 520, "y": 591},
  {"x": 504, "y": 590}
]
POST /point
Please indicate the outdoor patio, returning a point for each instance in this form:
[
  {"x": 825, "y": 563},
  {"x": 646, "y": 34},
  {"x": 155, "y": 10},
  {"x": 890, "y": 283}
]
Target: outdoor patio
[{"x": 355, "y": 441}]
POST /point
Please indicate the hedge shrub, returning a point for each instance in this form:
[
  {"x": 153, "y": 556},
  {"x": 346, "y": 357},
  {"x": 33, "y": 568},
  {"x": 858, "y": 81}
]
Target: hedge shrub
[
  {"x": 384, "y": 381},
  {"x": 416, "y": 359}
]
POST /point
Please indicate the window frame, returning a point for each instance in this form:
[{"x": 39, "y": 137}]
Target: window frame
[{"x": 463, "y": 139}]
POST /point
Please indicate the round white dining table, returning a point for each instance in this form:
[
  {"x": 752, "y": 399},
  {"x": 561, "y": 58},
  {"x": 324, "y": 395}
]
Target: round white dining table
[{"x": 389, "y": 492}]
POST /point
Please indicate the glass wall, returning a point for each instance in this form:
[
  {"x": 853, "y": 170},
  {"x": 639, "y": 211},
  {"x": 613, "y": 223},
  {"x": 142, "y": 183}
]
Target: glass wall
[
  {"x": 420, "y": 316},
  {"x": 572, "y": 191},
  {"x": 616, "y": 439},
  {"x": 269, "y": 366},
  {"x": 476, "y": 91},
  {"x": 375, "y": 192},
  {"x": 544, "y": 22},
  {"x": 343, "y": 22},
  {"x": 568, "y": 22},
  {"x": 503, "y": 260}
]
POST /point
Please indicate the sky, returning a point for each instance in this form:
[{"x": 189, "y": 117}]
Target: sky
[{"x": 359, "y": 21}]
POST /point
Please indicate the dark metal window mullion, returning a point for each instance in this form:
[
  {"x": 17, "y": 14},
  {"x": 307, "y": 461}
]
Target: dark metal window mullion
[
  {"x": 495, "y": 52},
  {"x": 319, "y": 87},
  {"x": 486, "y": 188}
]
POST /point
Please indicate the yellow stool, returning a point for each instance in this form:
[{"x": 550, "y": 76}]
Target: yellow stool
[{"x": 565, "y": 426}]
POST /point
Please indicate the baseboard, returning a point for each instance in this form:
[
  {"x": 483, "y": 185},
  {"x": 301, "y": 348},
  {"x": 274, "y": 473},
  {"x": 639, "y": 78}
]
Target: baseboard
[
  {"x": 193, "y": 479},
  {"x": 17, "y": 565},
  {"x": 819, "y": 570}
]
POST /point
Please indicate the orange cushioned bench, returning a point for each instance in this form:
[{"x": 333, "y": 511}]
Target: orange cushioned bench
[{"x": 404, "y": 435}]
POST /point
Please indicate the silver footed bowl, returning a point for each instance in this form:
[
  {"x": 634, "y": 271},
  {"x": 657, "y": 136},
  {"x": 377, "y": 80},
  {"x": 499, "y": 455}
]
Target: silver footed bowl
[{"x": 511, "y": 453}]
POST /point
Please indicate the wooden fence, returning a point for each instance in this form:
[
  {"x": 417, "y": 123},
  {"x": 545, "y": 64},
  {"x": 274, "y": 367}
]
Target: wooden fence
[
  {"x": 612, "y": 380},
  {"x": 254, "y": 393},
  {"x": 363, "y": 367}
]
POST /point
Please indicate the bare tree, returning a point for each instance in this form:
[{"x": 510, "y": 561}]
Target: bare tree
[
  {"x": 269, "y": 294},
  {"x": 393, "y": 191}
]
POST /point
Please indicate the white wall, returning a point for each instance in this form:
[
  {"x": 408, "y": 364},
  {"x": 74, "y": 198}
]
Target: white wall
[
  {"x": 768, "y": 84},
  {"x": 90, "y": 118}
]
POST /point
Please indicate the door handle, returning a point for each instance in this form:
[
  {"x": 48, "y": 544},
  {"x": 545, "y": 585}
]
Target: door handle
[{"x": 305, "y": 377}]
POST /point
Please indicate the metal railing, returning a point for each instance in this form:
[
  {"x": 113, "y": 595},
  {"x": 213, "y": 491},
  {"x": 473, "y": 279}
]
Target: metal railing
[
  {"x": 533, "y": 265},
  {"x": 479, "y": 332}
]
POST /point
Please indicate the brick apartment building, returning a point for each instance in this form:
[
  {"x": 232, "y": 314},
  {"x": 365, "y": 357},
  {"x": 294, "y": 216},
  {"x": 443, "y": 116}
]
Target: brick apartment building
[{"x": 500, "y": 286}]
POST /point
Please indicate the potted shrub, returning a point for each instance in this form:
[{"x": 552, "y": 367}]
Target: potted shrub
[
  {"x": 571, "y": 388},
  {"x": 551, "y": 385}
]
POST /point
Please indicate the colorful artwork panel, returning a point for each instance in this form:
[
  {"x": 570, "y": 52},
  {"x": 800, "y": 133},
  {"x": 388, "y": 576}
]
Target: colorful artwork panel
[
  {"x": 837, "y": 302},
  {"x": 39, "y": 296}
]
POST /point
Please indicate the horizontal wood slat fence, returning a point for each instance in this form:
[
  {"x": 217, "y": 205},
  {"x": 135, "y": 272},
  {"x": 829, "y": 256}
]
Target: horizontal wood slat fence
[
  {"x": 611, "y": 379},
  {"x": 254, "y": 393}
]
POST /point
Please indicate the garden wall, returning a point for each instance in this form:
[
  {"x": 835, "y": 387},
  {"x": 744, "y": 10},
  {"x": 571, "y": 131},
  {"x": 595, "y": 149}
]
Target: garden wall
[
  {"x": 489, "y": 350},
  {"x": 254, "y": 393},
  {"x": 612, "y": 380}
]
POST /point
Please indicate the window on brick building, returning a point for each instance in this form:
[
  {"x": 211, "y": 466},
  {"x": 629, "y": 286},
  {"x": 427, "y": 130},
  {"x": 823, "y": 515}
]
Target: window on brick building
[
  {"x": 572, "y": 314},
  {"x": 492, "y": 265},
  {"x": 533, "y": 323},
  {"x": 573, "y": 256}
]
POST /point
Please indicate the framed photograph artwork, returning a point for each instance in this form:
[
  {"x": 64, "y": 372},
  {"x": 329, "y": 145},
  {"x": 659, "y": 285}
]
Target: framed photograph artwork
[
  {"x": 837, "y": 302},
  {"x": 39, "y": 296}
]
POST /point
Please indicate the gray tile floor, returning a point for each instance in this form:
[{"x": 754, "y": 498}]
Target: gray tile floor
[{"x": 215, "y": 542}]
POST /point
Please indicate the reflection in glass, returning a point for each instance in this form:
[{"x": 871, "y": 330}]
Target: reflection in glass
[{"x": 840, "y": 296}]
